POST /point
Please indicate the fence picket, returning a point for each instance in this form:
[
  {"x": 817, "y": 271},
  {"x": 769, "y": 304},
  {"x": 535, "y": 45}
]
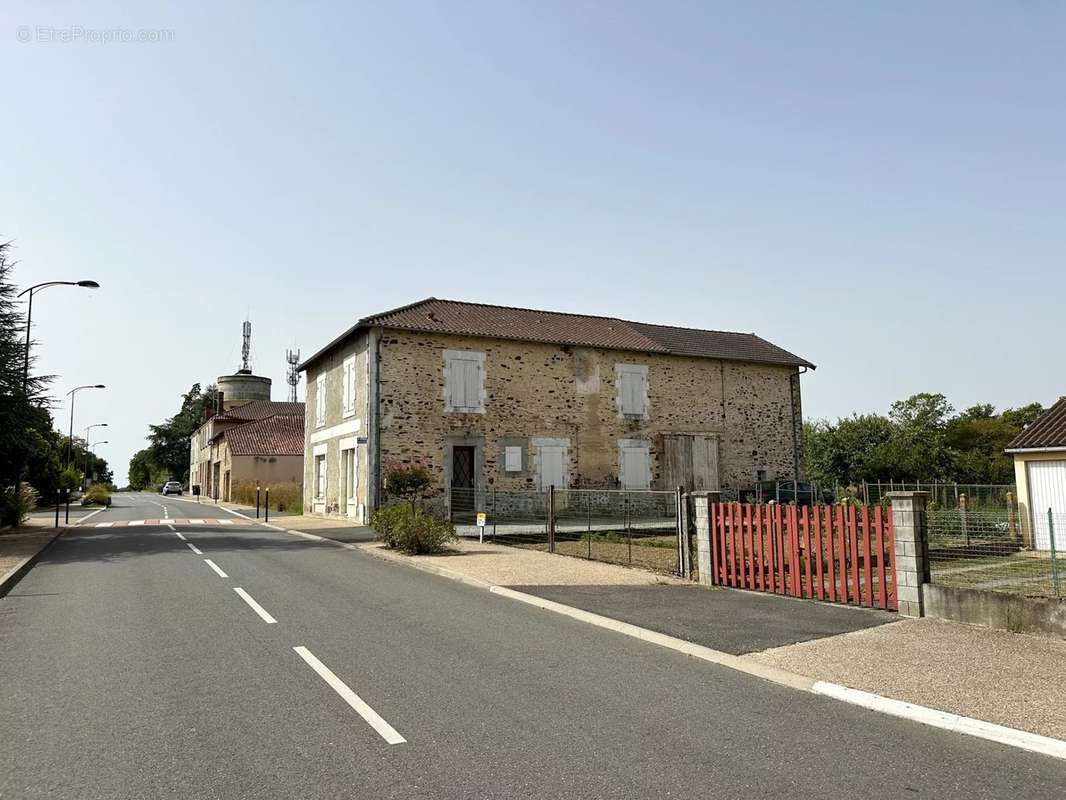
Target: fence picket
[
  {"x": 842, "y": 554},
  {"x": 793, "y": 541},
  {"x": 732, "y": 545},
  {"x": 830, "y": 553},
  {"x": 818, "y": 551},
  {"x": 758, "y": 533},
  {"x": 867, "y": 558},
  {"x": 853, "y": 534},
  {"x": 807, "y": 552},
  {"x": 890, "y": 530},
  {"x": 882, "y": 586},
  {"x": 748, "y": 546},
  {"x": 779, "y": 539}
]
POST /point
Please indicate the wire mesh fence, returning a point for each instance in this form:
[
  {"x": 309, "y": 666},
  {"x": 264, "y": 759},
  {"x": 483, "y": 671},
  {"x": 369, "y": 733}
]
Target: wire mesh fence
[
  {"x": 987, "y": 549},
  {"x": 942, "y": 494},
  {"x": 616, "y": 526}
]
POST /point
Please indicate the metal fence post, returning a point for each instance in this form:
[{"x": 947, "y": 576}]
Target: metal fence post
[
  {"x": 1054, "y": 559},
  {"x": 684, "y": 558},
  {"x": 257, "y": 502},
  {"x": 267, "y": 506},
  {"x": 551, "y": 518}
]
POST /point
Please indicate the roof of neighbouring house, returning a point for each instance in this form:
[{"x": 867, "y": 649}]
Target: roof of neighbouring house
[
  {"x": 1047, "y": 430},
  {"x": 260, "y": 409},
  {"x": 280, "y": 435},
  {"x": 552, "y": 327}
]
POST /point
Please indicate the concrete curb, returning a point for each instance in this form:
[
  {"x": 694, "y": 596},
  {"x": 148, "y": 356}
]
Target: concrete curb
[
  {"x": 1033, "y": 742},
  {"x": 16, "y": 573}
]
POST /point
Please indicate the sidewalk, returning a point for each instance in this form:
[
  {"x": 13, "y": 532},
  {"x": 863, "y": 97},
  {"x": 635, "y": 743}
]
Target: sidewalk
[{"x": 19, "y": 549}]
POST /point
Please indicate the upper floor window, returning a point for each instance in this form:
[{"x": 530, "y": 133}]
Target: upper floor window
[
  {"x": 348, "y": 384},
  {"x": 631, "y": 384},
  {"x": 464, "y": 381},
  {"x": 320, "y": 401}
]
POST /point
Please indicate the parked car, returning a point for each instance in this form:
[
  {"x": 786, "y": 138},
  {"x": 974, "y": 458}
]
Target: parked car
[
  {"x": 171, "y": 487},
  {"x": 801, "y": 493}
]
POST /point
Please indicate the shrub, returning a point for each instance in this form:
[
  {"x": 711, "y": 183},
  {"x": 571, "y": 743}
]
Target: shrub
[
  {"x": 17, "y": 507},
  {"x": 411, "y": 530},
  {"x": 407, "y": 481},
  {"x": 98, "y": 495}
]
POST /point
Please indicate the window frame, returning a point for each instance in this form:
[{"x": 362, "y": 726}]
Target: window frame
[
  {"x": 348, "y": 387},
  {"x": 624, "y": 479},
  {"x": 624, "y": 373}
]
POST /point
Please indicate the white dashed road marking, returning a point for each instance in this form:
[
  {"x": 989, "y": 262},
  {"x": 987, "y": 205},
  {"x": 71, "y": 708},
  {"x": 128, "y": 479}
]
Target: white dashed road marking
[
  {"x": 258, "y": 609},
  {"x": 384, "y": 729},
  {"x": 193, "y": 548},
  {"x": 215, "y": 567}
]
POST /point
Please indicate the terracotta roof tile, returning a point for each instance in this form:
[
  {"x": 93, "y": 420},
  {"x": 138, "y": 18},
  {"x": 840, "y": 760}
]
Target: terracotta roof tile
[
  {"x": 523, "y": 324},
  {"x": 260, "y": 409},
  {"x": 1047, "y": 430},
  {"x": 280, "y": 435}
]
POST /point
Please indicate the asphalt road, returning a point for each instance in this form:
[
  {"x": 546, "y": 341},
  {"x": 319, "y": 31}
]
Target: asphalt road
[{"x": 130, "y": 668}]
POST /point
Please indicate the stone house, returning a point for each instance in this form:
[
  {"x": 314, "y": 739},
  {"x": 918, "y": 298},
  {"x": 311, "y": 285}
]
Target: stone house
[
  {"x": 491, "y": 396},
  {"x": 259, "y": 440}
]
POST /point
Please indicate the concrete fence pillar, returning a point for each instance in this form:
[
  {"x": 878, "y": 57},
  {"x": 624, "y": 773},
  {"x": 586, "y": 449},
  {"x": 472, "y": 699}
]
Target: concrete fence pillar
[
  {"x": 701, "y": 502},
  {"x": 912, "y": 550}
]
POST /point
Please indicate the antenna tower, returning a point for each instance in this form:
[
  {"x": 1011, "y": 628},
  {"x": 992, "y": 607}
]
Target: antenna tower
[
  {"x": 293, "y": 376},
  {"x": 246, "y": 348}
]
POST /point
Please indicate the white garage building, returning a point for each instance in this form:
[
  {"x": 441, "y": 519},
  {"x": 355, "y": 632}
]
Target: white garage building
[{"x": 1040, "y": 472}]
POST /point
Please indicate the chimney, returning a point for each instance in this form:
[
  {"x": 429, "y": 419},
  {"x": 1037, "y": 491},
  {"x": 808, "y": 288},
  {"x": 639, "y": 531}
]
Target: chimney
[{"x": 220, "y": 402}]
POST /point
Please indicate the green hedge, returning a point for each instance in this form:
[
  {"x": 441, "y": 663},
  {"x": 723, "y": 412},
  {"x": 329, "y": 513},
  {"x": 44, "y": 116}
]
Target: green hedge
[{"x": 411, "y": 530}]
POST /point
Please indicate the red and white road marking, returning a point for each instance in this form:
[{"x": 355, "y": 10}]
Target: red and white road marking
[{"x": 122, "y": 523}]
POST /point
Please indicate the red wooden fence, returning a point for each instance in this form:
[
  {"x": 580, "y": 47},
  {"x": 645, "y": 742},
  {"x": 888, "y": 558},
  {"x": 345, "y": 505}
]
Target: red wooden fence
[{"x": 843, "y": 555}]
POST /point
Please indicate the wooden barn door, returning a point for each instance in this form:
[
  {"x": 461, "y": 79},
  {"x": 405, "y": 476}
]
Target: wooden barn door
[{"x": 690, "y": 460}]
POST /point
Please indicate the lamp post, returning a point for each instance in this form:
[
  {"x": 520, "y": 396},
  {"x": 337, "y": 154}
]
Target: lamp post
[
  {"x": 85, "y": 481},
  {"x": 26, "y": 358},
  {"x": 70, "y": 438},
  {"x": 29, "y": 316},
  {"x": 89, "y": 453}
]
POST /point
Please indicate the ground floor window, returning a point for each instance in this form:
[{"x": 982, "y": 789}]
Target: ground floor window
[
  {"x": 349, "y": 476},
  {"x": 320, "y": 477}
]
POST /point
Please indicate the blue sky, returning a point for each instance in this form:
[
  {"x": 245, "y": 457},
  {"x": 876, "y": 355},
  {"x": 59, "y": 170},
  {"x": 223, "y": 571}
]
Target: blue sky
[{"x": 879, "y": 187}]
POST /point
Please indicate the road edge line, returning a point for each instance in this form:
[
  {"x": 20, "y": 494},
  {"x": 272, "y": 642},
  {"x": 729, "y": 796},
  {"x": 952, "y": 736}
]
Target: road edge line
[
  {"x": 11, "y": 578},
  {"x": 766, "y": 672},
  {"x": 956, "y": 723},
  {"x": 80, "y": 520}
]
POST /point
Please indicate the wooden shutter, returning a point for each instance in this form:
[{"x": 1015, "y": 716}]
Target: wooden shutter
[
  {"x": 636, "y": 467},
  {"x": 551, "y": 466},
  {"x": 704, "y": 464}
]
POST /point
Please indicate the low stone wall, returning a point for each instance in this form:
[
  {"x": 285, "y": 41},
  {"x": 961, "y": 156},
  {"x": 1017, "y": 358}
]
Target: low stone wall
[{"x": 995, "y": 609}]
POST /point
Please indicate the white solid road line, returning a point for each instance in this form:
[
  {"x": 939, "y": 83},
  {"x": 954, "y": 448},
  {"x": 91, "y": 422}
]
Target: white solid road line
[
  {"x": 193, "y": 548},
  {"x": 258, "y": 609},
  {"x": 384, "y": 729},
  {"x": 90, "y": 514},
  {"x": 216, "y": 568}
]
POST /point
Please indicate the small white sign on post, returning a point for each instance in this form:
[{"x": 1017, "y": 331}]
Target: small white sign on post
[{"x": 481, "y": 526}]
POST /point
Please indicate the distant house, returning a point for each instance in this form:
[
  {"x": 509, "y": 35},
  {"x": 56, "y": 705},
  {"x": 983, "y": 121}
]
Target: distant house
[
  {"x": 1040, "y": 473},
  {"x": 258, "y": 440},
  {"x": 491, "y": 396}
]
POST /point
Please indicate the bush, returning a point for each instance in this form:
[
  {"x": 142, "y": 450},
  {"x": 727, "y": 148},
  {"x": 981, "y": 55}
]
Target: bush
[
  {"x": 17, "y": 508},
  {"x": 411, "y": 530},
  {"x": 98, "y": 495}
]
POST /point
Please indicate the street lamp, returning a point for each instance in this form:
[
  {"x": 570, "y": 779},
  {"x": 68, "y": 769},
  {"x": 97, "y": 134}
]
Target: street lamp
[
  {"x": 29, "y": 316},
  {"x": 26, "y": 357},
  {"x": 70, "y": 439},
  {"x": 85, "y": 481},
  {"x": 89, "y": 453}
]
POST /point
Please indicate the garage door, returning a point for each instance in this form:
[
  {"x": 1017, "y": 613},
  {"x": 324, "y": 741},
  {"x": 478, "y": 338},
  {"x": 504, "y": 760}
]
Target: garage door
[{"x": 1047, "y": 489}]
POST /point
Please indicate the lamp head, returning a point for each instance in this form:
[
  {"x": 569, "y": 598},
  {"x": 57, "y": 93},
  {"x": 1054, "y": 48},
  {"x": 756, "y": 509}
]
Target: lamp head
[{"x": 89, "y": 284}]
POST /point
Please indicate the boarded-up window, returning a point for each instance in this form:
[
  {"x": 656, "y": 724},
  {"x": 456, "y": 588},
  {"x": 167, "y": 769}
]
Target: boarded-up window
[
  {"x": 320, "y": 401},
  {"x": 551, "y": 462},
  {"x": 631, "y": 389},
  {"x": 464, "y": 381},
  {"x": 634, "y": 464},
  {"x": 348, "y": 392},
  {"x": 512, "y": 458}
]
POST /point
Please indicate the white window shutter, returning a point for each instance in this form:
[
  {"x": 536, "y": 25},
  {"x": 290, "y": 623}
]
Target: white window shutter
[{"x": 473, "y": 384}]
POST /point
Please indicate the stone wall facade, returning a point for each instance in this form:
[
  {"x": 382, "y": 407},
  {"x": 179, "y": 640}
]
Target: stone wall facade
[{"x": 542, "y": 391}]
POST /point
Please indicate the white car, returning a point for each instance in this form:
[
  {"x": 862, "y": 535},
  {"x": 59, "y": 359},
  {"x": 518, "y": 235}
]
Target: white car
[{"x": 171, "y": 487}]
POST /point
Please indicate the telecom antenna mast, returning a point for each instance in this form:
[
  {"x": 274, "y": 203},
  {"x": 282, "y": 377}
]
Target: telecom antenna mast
[
  {"x": 293, "y": 376},
  {"x": 246, "y": 348}
]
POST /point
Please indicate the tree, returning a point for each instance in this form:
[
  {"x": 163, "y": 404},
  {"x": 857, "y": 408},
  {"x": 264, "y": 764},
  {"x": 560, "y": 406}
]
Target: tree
[
  {"x": 144, "y": 472},
  {"x": 25, "y": 423},
  {"x": 169, "y": 449}
]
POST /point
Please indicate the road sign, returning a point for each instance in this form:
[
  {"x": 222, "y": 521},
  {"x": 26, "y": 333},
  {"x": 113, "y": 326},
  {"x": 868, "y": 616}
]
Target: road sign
[{"x": 481, "y": 519}]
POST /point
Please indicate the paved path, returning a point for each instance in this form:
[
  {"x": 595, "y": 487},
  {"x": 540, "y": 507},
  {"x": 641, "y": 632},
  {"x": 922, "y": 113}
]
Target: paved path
[{"x": 132, "y": 668}]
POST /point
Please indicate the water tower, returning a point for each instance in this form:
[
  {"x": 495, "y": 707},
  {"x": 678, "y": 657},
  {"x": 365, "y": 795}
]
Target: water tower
[{"x": 243, "y": 387}]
